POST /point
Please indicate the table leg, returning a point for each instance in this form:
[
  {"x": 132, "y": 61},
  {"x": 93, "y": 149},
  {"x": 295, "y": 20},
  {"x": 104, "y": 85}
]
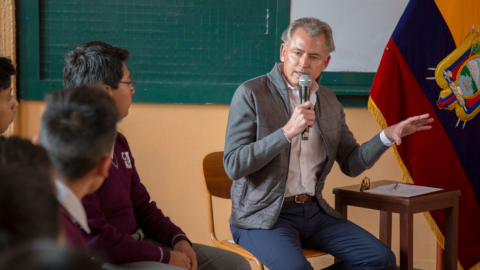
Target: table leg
[
  {"x": 386, "y": 228},
  {"x": 451, "y": 237},
  {"x": 406, "y": 240},
  {"x": 342, "y": 209},
  {"x": 439, "y": 257}
]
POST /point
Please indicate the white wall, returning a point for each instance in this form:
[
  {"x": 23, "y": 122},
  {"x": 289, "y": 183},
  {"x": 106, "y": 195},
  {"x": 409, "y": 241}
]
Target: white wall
[{"x": 361, "y": 28}]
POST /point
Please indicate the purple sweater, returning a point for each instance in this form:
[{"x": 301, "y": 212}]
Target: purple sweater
[
  {"x": 71, "y": 230},
  {"x": 120, "y": 207}
]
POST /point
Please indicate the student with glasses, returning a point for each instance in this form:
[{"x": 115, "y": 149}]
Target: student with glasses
[{"x": 133, "y": 231}]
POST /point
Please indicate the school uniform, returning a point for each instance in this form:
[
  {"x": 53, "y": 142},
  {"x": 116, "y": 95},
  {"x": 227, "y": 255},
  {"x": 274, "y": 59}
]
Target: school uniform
[
  {"x": 129, "y": 227},
  {"x": 72, "y": 216}
]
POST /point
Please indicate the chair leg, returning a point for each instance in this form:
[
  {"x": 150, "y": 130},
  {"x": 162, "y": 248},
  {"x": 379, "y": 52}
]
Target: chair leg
[{"x": 260, "y": 265}]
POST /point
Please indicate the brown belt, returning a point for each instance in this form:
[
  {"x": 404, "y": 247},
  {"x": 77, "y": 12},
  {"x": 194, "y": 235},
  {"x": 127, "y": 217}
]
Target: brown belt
[{"x": 299, "y": 198}]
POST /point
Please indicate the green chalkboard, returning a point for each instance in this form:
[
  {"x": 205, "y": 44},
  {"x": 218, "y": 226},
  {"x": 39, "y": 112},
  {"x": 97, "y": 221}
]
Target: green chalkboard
[{"x": 181, "y": 51}]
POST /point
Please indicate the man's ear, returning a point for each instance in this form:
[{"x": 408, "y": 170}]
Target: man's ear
[
  {"x": 104, "y": 166},
  {"x": 36, "y": 139},
  {"x": 283, "y": 51},
  {"x": 327, "y": 61},
  {"x": 108, "y": 88}
]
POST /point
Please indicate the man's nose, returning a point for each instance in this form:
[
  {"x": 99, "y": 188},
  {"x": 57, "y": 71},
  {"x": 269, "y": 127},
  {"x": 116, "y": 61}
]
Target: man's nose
[{"x": 304, "y": 60}]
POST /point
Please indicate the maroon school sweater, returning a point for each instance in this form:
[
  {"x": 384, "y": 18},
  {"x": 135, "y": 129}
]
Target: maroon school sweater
[
  {"x": 120, "y": 207},
  {"x": 72, "y": 232}
]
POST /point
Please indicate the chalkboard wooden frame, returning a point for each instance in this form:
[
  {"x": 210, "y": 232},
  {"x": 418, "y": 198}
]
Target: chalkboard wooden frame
[{"x": 352, "y": 88}]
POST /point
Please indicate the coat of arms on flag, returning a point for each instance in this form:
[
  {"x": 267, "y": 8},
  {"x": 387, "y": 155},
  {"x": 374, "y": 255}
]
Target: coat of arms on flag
[
  {"x": 459, "y": 75},
  {"x": 431, "y": 64}
]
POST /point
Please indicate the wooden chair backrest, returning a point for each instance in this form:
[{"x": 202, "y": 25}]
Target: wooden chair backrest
[{"x": 216, "y": 180}]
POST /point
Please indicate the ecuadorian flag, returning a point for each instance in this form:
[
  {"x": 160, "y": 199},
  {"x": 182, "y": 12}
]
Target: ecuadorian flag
[{"x": 431, "y": 65}]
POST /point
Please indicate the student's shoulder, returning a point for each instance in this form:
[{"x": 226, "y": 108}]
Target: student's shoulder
[
  {"x": 63, "y": 212},
  {"x": 120, "y": 137},
  {"x": 121, "y": 141},
  {"x": 64, "y": 216}
]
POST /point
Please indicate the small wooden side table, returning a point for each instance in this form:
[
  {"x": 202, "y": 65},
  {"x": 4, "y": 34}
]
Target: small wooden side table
[{"x": 406, "y": 207}]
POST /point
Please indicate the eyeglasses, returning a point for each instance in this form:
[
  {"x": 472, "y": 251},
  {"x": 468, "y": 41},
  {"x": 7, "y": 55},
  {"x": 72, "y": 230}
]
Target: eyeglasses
[{"x": 131, "y": 84}]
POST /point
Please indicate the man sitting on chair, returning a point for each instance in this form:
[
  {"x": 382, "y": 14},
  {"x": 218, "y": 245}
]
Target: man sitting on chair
[{"x": 277, "y": 203}]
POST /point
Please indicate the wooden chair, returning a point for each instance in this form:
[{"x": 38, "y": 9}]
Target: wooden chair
[{"x": 218, "y": 184}]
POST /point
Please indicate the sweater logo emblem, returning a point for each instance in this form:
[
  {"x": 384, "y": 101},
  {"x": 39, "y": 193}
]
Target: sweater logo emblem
[{"x": 126, "y": 158}]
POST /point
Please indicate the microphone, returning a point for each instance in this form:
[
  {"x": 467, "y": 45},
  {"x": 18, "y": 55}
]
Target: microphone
[{"x": 305, "y": 81}]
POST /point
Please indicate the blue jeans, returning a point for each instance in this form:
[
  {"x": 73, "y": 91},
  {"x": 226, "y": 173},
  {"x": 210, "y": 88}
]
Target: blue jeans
[{"x": 307, "y": 225}]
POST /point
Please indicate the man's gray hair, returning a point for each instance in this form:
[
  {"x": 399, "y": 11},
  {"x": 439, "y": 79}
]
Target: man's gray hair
[{"x": 314, "y": 28}]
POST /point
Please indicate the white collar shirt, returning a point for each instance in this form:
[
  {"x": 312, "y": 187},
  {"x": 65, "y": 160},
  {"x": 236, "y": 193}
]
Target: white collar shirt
[{"x": 72, "y": 204}]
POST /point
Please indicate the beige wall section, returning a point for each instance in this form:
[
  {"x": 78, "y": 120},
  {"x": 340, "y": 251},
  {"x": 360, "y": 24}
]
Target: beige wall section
[{"x": 169, "y": 141}]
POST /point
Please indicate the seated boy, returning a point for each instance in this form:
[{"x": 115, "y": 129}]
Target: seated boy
[
  {"x": 7, "y": 102},
  {"x": 16, "y": 152},
  {"x": 123, "y": 221},
  {"x": 28, "y": 208},
  {"x": 78, "y": 129}
]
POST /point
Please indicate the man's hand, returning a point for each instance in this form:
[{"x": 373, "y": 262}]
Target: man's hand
[
  {"x": 185, "y": 247},
  {"x": 180, "y": 259},
  {"x": 407, "y": 127},
  {"x": 303, "y": 116}
]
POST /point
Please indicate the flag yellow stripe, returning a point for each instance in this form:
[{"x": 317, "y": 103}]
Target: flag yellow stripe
[{"x": 460, "y": 15}]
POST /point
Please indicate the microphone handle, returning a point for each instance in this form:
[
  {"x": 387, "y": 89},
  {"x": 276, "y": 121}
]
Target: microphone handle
[{"x": 305, "y": 98}]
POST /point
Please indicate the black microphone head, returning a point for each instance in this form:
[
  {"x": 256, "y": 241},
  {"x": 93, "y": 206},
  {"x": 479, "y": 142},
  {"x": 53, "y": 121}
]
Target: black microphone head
[{"x": 305, "y": 81}]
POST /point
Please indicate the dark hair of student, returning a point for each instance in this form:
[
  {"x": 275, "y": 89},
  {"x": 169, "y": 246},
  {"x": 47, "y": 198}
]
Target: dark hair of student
[
  {"x": 16, "y": 152},
  {"x": 46, "y": 255},
  {"x": 92, "y": 63},
  {"x": 6, "y": 71},
  {"x": 78, "y": 128},
  {"x": 28, "y": 206}
]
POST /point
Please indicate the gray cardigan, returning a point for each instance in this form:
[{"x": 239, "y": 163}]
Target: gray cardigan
[{"x": 257, "y": 154}]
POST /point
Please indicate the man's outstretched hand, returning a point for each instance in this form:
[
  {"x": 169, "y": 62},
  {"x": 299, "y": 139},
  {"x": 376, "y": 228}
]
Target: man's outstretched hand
[{"x": 409, "y": 126}]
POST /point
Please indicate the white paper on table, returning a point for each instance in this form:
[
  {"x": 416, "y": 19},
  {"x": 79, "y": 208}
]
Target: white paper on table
[{"x": 402, "y": 190}]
